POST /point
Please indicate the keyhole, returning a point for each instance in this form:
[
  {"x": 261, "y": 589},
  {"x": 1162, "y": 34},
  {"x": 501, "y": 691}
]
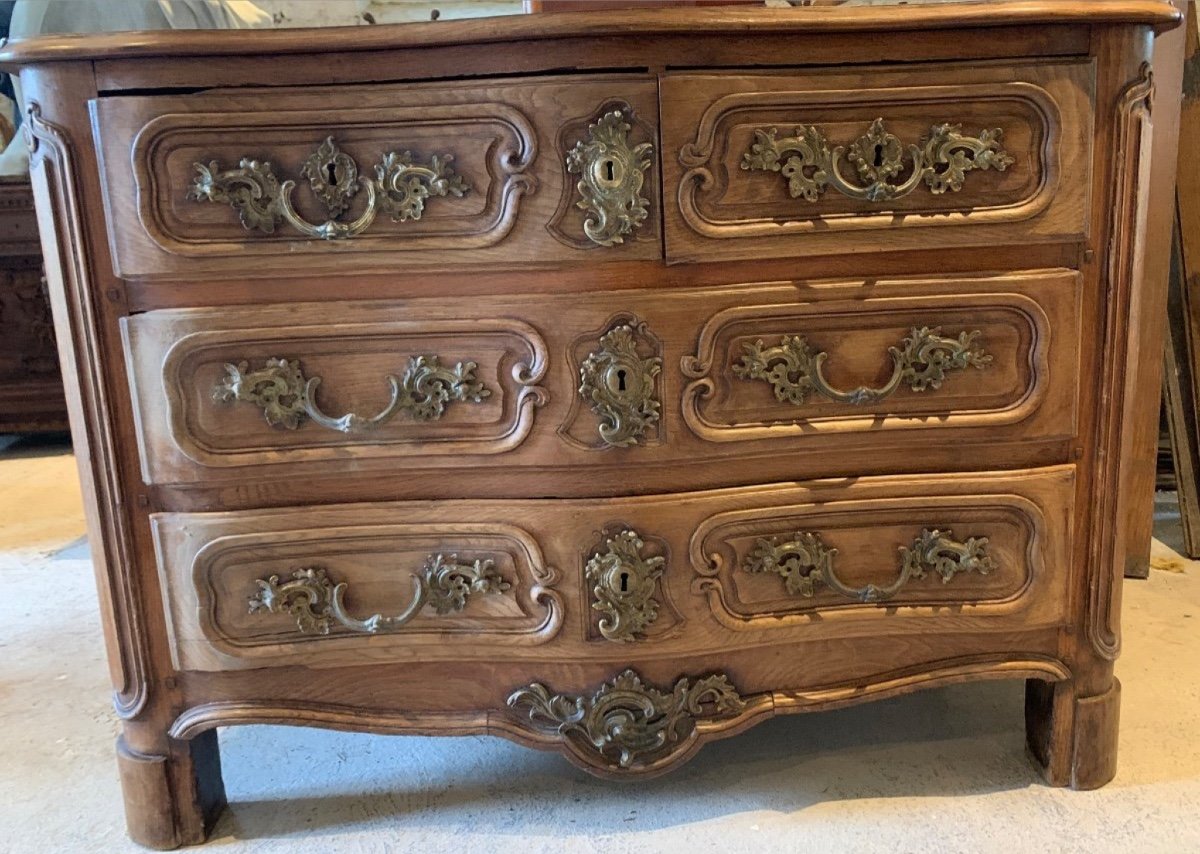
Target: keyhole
[
  {"x": 621, "y": 383},
  {"x": 878, "y": 155},
  {"x": 332, "y": 170},
  {"x": 624, "y": 582},
  {"x": 610, "y": 171}
]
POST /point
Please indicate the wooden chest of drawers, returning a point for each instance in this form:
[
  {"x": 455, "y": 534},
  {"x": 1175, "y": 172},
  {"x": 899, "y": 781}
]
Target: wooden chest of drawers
[{"x": 608, "y": 382}]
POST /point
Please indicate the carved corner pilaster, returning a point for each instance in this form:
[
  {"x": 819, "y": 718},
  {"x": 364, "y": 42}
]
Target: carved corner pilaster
[
  {"x": 1132, "y": 132},
  {"x": 56, "y": 183}
]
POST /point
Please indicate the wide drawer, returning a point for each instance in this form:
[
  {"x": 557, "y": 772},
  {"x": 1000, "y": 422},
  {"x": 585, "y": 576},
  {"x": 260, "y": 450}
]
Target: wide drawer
[
  {"x": 332, "y": 180},
  {"x": 618, "y": 580},
  {"x": 755, "y": 382},
  {"x": 879, "y": 158}
]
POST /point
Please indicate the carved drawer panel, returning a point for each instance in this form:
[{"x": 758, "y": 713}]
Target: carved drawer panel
[
  {"x": 336, "y": 393},
  {"x": 922, "y": 553},
  {"x": 789, "y": 566},
  {"x": 774, "y": 165},
  {"x": 288, "y": 182},
  {"x": 984, "y": 359},
  {"x": 745, "y": 383},
  {"x": 617, "y": 580},
  {"x": 250, "y": 591}
]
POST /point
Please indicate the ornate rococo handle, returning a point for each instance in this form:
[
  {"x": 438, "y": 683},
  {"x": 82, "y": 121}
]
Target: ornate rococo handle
[
  {"x": 618, "y": 385},
  {"x": 627, "y": 725},
  {"x": 399, "y": 189},
  {"x": 941, "y": 160},
  {"x": 317, "y": 603},
  {"x": 287, "y": 398},
  {"x": 921, "y": 362},
  {"x": 804, "y": 562},
  {"x": 612, "y": 173}
]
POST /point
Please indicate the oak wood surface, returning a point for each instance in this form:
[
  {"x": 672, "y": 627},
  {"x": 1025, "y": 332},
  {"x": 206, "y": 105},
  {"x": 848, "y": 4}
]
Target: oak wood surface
[
  {"x": 725, "y": 211},
  {"x": 1054, "y": 488},
  {"x": 1021, "y": 402},
  {"x": 507, "y": 139},
  {"x": 645, "y": 22},
  {"x": 210, "y": 564}
]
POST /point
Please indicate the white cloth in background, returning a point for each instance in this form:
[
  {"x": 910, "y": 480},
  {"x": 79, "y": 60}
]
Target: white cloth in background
[{"x": 34, "y": 17}]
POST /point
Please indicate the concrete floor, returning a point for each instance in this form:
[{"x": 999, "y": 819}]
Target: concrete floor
[{"x": 937, "y": 771}]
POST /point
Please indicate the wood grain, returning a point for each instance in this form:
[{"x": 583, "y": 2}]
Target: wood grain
[
  {"x": 192, "y": 501},
  {"x": 209, "y": 563},
  {"x": 647, "y": 23},
  {"x": 723, "y": 211},
  {"x": 503, "y": 137},
  {"x": 529, "y": 357}
]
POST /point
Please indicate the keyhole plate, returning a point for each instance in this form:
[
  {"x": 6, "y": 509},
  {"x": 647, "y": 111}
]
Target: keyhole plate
[
  {"x": 618, "y": 384},
  {"x": 332, "y": 175},
  {"x": 619, "y": 379},
  {"x": 612, "y": 171},
  {"x": 623, "y": 581},
  {"x": 609, "y": 172}
]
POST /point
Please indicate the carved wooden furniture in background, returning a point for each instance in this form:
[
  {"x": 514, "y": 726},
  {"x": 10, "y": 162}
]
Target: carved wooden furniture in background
[
  {"x": 1181, "y": 379},
  {"x": 31, "y": 388},
  {"x": 611, "y": 411}
]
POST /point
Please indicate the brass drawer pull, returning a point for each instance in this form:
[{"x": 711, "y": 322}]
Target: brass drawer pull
[
  {"x": 287, "y": 398},
  {"x": 618, "y": 384},
  {"x": 623, "y": 583},
  {"x": 941, "y": 160},
  {"x": 628, "y": 721},
  {"x": 805, "y": 561},
  {"x": 316, "y": 602},
  {"x": 611, "y": 177},
  {"x": 399, "y": 189},
  {"x": 922, "y": 361}
]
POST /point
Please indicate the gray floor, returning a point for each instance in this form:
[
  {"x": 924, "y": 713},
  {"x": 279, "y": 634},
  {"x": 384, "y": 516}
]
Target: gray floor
[{"x": 938, "y": 771}]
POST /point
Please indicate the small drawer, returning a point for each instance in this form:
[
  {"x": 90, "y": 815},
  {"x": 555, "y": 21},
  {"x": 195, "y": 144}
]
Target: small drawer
[
  {"x": 882, "y": 158},
  {"x": 342, "y": 179},
  {"x": 743, "y": 384},
  {"x": 618, "y": 580}
]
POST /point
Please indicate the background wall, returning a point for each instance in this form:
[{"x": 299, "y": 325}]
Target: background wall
[{"x": 344, "y": 13}]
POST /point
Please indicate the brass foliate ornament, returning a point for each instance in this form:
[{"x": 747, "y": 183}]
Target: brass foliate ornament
[
  {"x": 611, "y": 177},
  {"x": 400, "y": 189},
  {"x": 805, "y": 563},
  {"x": 618, "y": 385},
  {"x": 921, "y": 362},
  {"x": 287, "y": 398},
  {"x": 623, "y": 584},
  {"x": 627, "y": 724},
  {"x": 941, "y": 161},
  {"x": 317, "y": 603}
]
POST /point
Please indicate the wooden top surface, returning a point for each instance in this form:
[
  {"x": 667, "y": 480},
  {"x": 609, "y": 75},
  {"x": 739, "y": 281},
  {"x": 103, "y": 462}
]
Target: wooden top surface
[{"x": 648, "y": 22}]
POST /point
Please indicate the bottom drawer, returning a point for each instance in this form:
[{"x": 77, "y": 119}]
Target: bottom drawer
[{"x": 617, "y": 580}]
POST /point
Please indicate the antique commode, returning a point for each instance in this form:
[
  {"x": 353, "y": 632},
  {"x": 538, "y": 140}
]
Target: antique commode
[{"x": 606, "y": 381}]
